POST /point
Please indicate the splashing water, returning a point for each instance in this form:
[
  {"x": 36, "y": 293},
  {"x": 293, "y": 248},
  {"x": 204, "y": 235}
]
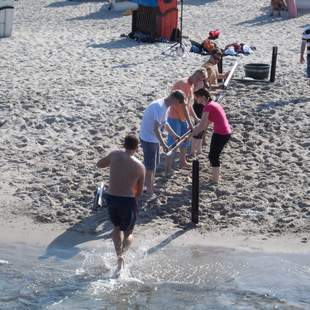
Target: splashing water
[{"x": 173, "y": 277}]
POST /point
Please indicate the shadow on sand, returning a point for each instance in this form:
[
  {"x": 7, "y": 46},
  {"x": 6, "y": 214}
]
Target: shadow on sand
[
  {"x": 172, "y": 237},
  {"x": 61, "y": 4},
  {"x": 65, "y": 245},
  {"x": 117, "y": 44},
  {"x": 282, "y": 103},
  {"x": 265, "y": 18},
  {"x": 103, "y": 13},
  {"x": 198, "y": 2}
]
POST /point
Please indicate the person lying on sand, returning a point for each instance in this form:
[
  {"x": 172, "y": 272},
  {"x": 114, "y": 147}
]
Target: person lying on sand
[
  {"x": 154, "y": 119},
  {"x": 305, "y": 45},
  {"x": 212, "y": 69},
  {"x": 179, "y": 116},
  {"x": 125, "y": 186},
  {"x": 213, "y": 113}
]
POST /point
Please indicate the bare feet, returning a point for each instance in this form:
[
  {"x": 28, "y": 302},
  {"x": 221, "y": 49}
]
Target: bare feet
[
  {"x": 185, "y": 165},
  {"x": 168, "y": 173},
  {"x": 120, "y": 266},
  {"x": 211, "y": 181},
  {"x": 120, "y": 263}
]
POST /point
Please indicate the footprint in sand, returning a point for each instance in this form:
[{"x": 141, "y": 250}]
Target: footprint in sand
[{"x": 50, "y": 120}]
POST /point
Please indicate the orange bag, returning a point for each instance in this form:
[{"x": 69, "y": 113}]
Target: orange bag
[{"x": 208, "y": 45}]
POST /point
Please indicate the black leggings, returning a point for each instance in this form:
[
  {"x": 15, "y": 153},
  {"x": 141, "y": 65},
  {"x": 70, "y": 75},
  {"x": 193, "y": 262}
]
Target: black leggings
[
  {"x": 198, "y": 108},
  {"x": 217, "y": 144}
]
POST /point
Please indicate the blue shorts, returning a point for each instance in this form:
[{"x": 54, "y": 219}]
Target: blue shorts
[
  {"x": 151, "y": 155},
  {"x": 308, "y": 66},
  {"x": 180, "y": 128},
  {"x": 122, "y": 211}
]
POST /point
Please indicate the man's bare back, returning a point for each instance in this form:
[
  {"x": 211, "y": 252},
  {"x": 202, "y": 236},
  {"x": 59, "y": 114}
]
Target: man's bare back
[
  {"x": 125, "y": 173},
  {"x": 126, "y": 185}
]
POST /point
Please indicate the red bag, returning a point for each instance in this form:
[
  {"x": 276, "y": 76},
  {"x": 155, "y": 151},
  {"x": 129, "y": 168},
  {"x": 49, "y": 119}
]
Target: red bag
[{"x": 214, "y": 34}]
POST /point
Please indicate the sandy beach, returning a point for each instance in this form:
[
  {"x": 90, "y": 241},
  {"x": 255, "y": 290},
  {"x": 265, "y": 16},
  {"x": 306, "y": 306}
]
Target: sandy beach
[{"x": 71, "y": 88}]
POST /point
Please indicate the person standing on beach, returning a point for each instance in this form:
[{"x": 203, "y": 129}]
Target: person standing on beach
[
  {"x": 153, "y": 121},
  {"x": 213, "y": 113},
  {"x": 305, "y": 45},
  {"x": 126, "y": 181},
  {"x": 212, "y": 69},
  {"x": 179, "y": 116}
]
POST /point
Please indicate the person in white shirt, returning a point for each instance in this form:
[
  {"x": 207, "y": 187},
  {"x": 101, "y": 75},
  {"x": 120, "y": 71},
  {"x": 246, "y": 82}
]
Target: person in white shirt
[{"x": 153, "y": 121}]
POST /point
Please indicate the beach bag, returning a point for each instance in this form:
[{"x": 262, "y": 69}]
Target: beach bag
[{"x": 214, "y": 34}]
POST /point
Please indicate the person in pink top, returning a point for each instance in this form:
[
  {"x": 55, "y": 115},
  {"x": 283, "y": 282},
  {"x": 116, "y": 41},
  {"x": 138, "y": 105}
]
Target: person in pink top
[{"x": 214, "y": 113}]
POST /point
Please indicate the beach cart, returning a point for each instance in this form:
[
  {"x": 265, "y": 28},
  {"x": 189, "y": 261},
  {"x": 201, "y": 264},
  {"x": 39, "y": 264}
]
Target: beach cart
[{"x": 158, "y": 18}]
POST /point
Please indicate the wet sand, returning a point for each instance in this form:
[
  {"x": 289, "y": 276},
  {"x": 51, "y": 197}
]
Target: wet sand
[{"x": 93, "y": 233}]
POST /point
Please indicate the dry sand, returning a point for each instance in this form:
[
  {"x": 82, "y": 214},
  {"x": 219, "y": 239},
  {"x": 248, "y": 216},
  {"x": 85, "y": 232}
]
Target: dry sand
[{"x": 71, "y": 88}]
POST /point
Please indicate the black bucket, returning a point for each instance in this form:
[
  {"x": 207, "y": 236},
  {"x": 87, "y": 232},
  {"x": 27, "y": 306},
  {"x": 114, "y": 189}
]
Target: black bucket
[{"x": 257, "y": 71}]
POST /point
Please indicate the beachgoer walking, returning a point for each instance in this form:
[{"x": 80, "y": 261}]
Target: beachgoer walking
[
  {"x": 125, "y": 186},
  {"x": 155, "y": 119},
  {"x": 213, "y": 113},
  {"x": 305, "y": 45},
  {"x": 212, "y": 69},
  {"x": 179, "y": 116}
]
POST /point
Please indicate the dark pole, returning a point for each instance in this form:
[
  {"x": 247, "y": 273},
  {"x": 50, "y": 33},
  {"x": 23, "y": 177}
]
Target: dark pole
[
  {"x": 195, "y": 191},
  {"x": 273, "y": 64},
  {"x": 220, "y": 67},
  {"x": 181, "y": 23}
]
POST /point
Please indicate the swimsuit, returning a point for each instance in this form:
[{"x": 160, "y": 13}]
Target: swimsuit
[{"x": 122, "y": 211}]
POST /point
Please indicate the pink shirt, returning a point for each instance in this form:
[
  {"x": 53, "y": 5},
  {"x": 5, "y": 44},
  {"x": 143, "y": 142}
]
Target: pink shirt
[{"x": 218, "y": 117}]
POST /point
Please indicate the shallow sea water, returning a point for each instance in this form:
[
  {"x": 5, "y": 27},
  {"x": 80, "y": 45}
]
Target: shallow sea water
[{"x": 190, "y": 277}]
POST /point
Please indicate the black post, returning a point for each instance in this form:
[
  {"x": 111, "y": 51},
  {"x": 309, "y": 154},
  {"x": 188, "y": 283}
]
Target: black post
[
  {"x": 134, "y": 21},
  {"x": 220, "y": 67},
  {"x": 195, "y": 191},
  {"x": 273, "y": 64},
  {"x": 181, "y": 23}
]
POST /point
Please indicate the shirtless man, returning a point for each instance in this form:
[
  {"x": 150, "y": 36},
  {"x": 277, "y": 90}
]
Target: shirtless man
[
  {"x": 212, "y": 69},
  {"x": 125, "y": 186}
]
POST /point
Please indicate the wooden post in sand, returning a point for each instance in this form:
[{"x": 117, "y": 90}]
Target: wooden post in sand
[
  {"x": 273, "y": 64},
  {"x": 195, "y": 191}
]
